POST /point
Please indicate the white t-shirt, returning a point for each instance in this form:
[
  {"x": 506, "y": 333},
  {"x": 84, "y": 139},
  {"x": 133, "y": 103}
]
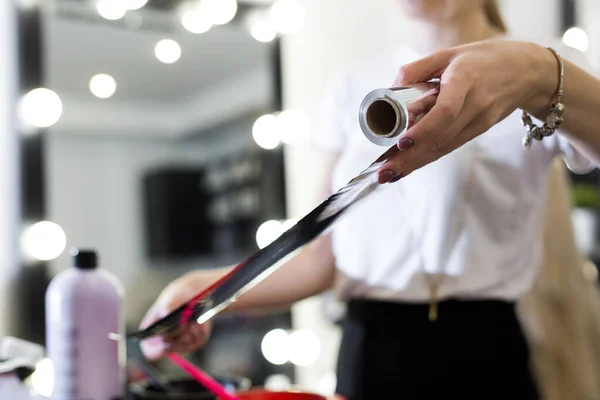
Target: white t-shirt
[{"x": 472, "y": 217}]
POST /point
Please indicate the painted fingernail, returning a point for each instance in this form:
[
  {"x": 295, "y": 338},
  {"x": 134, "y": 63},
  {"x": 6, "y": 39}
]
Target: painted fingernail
[
  {"x": 386, "y": 176},
  {"x": 405, "y": 143},
  {"x": 163, "y": 312},
  {"x": 153, "y": 347},
  {"x": 396, "y": 178}
]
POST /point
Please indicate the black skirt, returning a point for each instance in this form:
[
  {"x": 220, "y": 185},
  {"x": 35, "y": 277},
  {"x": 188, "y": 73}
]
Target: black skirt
[{"x": 475, "y": 350}]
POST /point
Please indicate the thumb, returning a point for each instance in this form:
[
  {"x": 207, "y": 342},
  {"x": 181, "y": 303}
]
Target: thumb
[
  {"x": 425, "y": 69},
  {"x": 153, "y": 348}
]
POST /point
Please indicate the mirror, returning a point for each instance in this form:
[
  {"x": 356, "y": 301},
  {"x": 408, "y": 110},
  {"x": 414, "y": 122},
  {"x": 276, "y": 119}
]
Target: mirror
[{"x": 157, "y": 160}]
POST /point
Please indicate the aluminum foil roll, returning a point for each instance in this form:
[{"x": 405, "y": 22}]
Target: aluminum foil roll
[{"x": 386, "y": 114}]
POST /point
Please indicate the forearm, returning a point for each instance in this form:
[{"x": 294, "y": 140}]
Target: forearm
[
  {"x": 309, "y": 273},
  {"x": 581, "y": 99}
]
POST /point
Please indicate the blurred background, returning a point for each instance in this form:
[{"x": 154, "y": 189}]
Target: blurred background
[{"x": 172, "y": 137}]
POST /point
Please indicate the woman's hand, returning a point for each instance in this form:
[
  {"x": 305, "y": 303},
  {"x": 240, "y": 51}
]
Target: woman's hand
[
  {"x": 480, "y": 85},
  {"x": 187, "y": 338},
  {"x": 310, "y": 272}
]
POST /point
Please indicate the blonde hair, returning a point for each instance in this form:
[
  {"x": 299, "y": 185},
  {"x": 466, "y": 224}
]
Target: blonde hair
[
  {"x": 492, "y": 12},
  {"x": 561, "y": 312}
]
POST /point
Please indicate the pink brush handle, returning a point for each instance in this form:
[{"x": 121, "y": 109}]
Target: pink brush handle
[{"x": 201, "y": 377}]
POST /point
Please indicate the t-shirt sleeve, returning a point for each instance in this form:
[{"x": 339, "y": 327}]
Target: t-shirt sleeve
[
  {"x": 330, "y": 129},
  {"x": 575, "y": 160}
]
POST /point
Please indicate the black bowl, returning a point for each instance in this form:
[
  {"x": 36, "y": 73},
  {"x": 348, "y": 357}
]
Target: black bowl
[{"x": 185, "y": 389}]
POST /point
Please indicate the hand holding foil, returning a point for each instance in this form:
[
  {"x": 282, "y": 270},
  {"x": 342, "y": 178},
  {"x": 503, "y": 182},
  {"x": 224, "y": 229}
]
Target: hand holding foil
[{"x": 480, "y": 85}]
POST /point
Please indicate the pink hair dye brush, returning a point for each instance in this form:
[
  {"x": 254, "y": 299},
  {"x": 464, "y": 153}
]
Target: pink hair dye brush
[{"x": 201, "y": 377}]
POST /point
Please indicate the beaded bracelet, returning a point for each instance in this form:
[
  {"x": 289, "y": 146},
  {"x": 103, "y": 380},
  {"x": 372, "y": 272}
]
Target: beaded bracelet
[{"x": 554, "y": 119}]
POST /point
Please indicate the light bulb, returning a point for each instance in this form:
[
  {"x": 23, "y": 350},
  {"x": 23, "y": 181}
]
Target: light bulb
[
  {"x": 103, "y": 86},
  {"x": 42, "y": 379},
  {"x": 44, "y": 241},
  {"x": 576, "y": 38},
  {"x": 275, "y": 347},
  {"x": 196, "y": 22},
  {"x": 111, "y": 9},
  {"x": 263, "y": 31},
  {"x": 264, "y": 132},
  {"x": 41, "y": 108},
  {"x": 167, "y": 51},
  {"x": 305, "y": 348},
  {"x": 134, "y": 4},
  {"x": 287, "y": 16},
  {"x": 219, "y": 12},
  {"x": 267, "y": 232}
]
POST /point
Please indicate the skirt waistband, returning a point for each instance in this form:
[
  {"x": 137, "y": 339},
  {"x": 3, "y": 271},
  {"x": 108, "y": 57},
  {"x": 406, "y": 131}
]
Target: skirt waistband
[{"x": 365, "y": 310}]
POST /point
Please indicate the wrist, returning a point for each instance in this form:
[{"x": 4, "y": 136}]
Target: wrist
[{"x": 544, "y": 83}]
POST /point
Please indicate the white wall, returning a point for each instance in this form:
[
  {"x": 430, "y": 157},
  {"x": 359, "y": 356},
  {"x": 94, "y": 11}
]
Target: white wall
[
  {"x": 588, "y": 12},
  {"x": 532, "y": 18},
  {"x": 9, "y": 163},
  {"x": 338, "y": 32}
]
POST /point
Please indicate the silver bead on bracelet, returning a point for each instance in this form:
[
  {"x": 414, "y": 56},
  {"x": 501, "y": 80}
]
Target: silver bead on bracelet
[{"x": 554, "y": 119}]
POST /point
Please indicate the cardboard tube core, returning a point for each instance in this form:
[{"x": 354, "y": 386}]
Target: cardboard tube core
[{"x": 382, "y": 117}]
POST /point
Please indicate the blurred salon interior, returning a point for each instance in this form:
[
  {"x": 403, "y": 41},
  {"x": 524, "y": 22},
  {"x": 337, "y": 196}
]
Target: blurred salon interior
[{"x": 160, "y": 137}]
